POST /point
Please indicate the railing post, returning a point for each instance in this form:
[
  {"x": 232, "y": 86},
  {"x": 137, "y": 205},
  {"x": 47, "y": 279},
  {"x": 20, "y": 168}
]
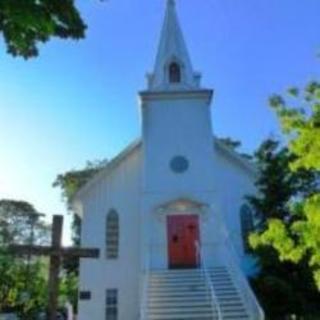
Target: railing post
[
  {"x": 237, "y": 272},
  {"x": 214, "y": 301},
  {"x": 144, "y": 285}
]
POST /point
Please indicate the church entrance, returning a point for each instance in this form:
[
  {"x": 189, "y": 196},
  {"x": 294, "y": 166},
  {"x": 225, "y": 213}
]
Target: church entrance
[{"x": 183, "y": 234}]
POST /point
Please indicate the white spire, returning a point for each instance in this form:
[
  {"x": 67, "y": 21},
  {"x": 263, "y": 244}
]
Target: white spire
[{"x": 172, "y": 50}]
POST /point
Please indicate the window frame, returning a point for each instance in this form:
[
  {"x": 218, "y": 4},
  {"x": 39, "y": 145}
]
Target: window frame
[
  {"x": 112, "y": 304},
  {"x": 112, "y": 235},
  {"x": 174, "y": 73},
  {"x": 246, "y": 225}
]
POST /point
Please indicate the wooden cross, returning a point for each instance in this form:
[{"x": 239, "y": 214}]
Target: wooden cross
[{"x": 56, "y": 252}]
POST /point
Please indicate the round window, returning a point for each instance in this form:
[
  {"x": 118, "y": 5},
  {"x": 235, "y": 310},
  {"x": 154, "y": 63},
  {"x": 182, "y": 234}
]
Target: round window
[{"x": 179, "y": 164}]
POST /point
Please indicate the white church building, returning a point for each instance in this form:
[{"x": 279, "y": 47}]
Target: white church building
[{"x": 169, "y": 213}]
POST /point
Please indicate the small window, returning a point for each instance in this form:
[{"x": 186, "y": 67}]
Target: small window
[
  {"x": 112, "y": 235},
  {"x": 247, "y": 225},
  {"x": 111, "y": 304},
  {"x": 174, "y": 73},
  {"x": 179, "y": 164}
]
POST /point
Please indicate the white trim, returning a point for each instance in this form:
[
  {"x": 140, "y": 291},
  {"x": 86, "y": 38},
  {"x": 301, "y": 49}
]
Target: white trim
[
  {"x": 250, "y": 166},
  {"x": 109, "y": 166}
]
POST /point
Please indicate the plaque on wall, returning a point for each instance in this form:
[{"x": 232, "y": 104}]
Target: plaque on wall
[{"x": 85, "y": 295}]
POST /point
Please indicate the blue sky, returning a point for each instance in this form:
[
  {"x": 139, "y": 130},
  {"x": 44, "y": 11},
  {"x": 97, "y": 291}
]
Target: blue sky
[{"x": 78, "y": 100}]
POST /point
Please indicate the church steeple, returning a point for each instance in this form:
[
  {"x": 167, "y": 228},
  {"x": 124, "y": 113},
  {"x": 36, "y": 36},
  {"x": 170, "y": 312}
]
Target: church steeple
[{"x": 173, "y": 69}]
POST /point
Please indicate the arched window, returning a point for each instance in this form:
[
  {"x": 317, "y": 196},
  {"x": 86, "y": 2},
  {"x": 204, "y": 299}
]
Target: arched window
[
  {"x": 112, "y": 235},
  {"x": 174, "y": 73},
  {"x": 247, "y": 225}
]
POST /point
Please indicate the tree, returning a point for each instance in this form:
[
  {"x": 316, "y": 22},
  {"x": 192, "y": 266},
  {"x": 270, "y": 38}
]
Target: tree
[
  {"x": 297, "y": 239},
  {"x": 70, "y": 182},
  {"x": 234, "y": 145},
  {"x": 15, "y": 293},
  {"x": 20, "y": 223},
  {"x": 283, "y": 288},
  {"x": 277, "y": 185},
  {"x": 26, "y": 23}
]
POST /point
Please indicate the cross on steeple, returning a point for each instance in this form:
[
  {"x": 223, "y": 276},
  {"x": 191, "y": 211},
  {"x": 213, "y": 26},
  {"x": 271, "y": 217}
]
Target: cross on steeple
[{"x": 56, "y": 253}]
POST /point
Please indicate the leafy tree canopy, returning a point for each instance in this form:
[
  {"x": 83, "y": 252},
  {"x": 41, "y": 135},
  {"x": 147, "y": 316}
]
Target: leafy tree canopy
[
  {"x": 298, "y": 239},
  {"x": 26, "y": 23},
  {"x": 234, "y": 145},
  {"x": 71, "y": 181},
  {"x": 277, "y": 185},
  {"x": 20, "y": 222},
  {"x": 283, "y": 288}
]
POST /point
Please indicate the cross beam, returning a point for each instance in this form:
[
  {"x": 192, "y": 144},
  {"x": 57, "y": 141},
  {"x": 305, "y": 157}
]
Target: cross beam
[
  {"x": 56, "y": 253},
  {"x": 50, "y": 251}
]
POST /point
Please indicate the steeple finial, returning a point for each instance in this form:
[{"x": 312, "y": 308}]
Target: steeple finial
[{"x": 173, "y": 68}]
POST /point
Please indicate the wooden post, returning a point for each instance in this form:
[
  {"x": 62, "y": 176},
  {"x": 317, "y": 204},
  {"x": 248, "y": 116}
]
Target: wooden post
[
  {"x": 55, "y": 268},
  {"x": 56, "y": 252}
]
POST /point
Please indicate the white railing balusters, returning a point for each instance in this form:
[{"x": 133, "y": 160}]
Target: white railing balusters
[
  {"x": 145, "y": 287},
  {"x": 213, "y": 297},
  {"x": 238, "y": 275}
]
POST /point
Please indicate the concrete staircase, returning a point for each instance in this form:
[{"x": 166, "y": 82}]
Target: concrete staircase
[
  {"x": 229, "y": 299},
  {"x": 185, "y": 294}
]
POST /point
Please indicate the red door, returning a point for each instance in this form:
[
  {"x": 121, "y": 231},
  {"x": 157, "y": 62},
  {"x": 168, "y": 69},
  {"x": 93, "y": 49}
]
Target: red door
[{"x": 183, "y": 233}]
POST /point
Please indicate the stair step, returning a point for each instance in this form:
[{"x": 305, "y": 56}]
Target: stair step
[
  {"x": 177, "y": 299},
  {"x": 194, "y": 288},
  {"x": 173, "y": 294},
  {"x": 169, "y": 304},
  {"x": 181, "y": 316},
  {"x": 185, "y": 294}
]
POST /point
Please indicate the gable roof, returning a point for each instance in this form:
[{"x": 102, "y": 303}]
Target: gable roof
[
  {"x": 241, "y": 160},
  {"x": 250, "y": 166},
  {"x": 105, "y": 170}
]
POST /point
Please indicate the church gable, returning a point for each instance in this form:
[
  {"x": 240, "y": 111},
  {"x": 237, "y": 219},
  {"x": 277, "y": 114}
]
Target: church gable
[
  {"x": 235, "y": 159},
  {"x": 125, "y": 161},
  {"x": 229, "y": 155}
]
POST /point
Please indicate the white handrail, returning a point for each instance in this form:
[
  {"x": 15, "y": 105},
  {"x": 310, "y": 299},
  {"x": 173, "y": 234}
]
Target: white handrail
[
  {"x": 214, "y": 301},
  {"x": 239, "y": 275},
  {"x": 247, "y": 291},
  {"x": 145, "y": 286}
]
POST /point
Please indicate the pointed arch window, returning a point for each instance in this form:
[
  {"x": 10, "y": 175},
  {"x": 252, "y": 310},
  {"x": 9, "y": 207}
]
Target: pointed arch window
[
  {"x": 112, "y": 235},
  {"x": 247, "y": 225},
  {"x": 174, "y": 73}
]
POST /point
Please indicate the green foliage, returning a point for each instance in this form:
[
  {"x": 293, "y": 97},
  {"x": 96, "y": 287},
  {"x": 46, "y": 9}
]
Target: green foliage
[
  {"x": 298, "y": 238},
  {"x": 289, "y": 201},
  {"x": 302, "y": 125},
  {"x": 234, "y": 145},
  {"x": 70, "y": 182},
  {"x": 17, "y": 293},
  {"x": 26, "y": 23},
  {"x": 283, "y": 287},
  {"x": 20, "y": 223},
  {"x": 277, "y": 185},
  {"x": 68, "y": 291}
]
